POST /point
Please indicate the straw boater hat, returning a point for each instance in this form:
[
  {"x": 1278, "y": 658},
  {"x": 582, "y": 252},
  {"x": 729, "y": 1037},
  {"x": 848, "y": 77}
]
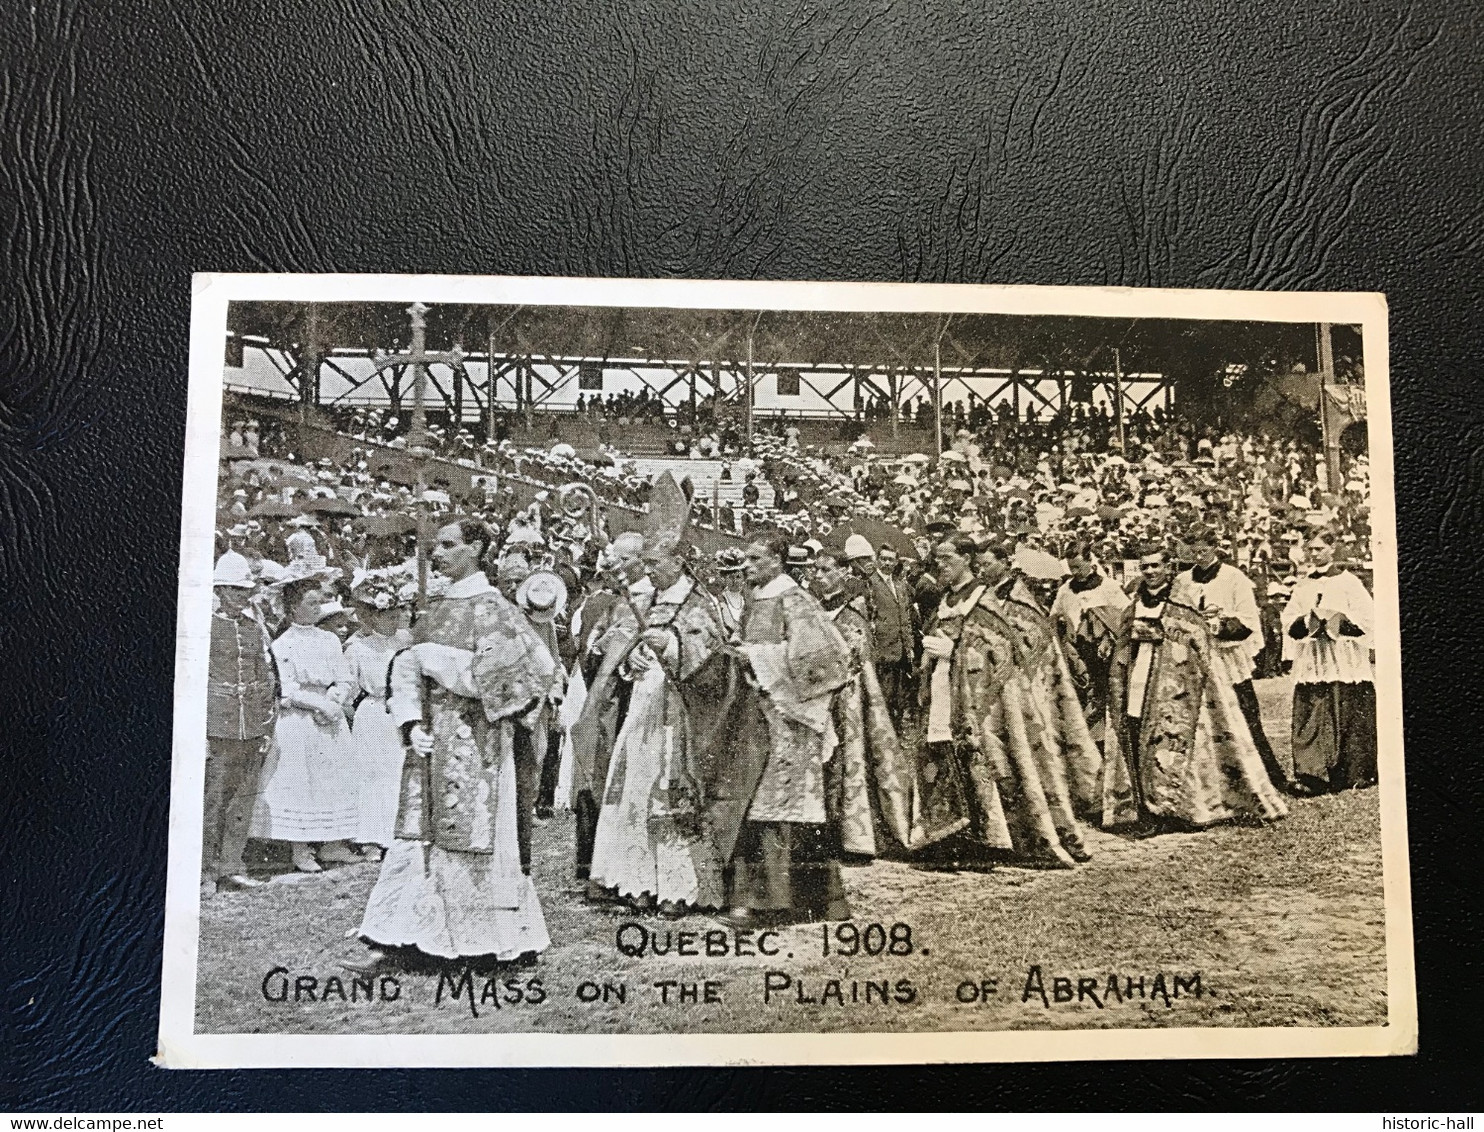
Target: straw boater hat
[
  {"x": 799, "y": 556},
  {"x": 543, "y": 591}
]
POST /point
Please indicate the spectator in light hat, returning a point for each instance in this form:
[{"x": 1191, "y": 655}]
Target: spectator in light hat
[
  {"x": 858, "y": 549},
  {"x": 335, "y": 618},
  {"x": 241, "y": 707},
  {"x": 797, "y": 563}
]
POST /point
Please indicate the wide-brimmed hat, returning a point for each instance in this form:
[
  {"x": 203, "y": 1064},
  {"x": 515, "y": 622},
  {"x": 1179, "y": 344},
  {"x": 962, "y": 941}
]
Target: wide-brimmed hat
[
  {"x": 302, "y": 569},
  {"x": 543, "y": 591},
  {"x": 729, "y": 560}
]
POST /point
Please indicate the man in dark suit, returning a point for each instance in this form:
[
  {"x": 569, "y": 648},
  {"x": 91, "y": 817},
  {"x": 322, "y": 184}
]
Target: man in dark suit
[{"x": 889, "y": 598}]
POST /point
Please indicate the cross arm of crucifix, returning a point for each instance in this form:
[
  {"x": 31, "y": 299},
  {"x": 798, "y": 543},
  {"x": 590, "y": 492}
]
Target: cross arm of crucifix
[{"x": 381, "y": 360}]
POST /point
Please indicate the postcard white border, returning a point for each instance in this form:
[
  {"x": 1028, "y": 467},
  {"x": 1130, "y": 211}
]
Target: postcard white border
[{"x": 180, "y": 1047}]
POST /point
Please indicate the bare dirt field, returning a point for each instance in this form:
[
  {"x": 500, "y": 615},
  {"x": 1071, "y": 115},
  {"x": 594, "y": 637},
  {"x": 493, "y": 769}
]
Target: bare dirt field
[{"x": 1242, "y": 925}]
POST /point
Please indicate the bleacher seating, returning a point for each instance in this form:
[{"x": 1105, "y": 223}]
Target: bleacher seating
[
  {"x": 705, "y": 475},
  {"x": 646, "y": 439}
]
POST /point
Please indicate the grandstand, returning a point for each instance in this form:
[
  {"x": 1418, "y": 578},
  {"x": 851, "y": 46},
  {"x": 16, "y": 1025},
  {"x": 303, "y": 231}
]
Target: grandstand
[
  {"x": 537, "y": 375},
  {"x": 800, "y": 366}
]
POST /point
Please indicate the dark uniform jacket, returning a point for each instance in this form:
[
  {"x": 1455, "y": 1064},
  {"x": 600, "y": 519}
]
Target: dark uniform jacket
[{"x": 242, "y": 683}]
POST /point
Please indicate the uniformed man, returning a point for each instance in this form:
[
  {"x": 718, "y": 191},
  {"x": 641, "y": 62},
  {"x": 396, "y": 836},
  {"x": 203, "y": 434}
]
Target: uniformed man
[{"x": 241, "y": 708}]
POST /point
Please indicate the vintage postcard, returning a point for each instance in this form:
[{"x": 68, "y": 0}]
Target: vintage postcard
[{"x": 634, "y": 672}]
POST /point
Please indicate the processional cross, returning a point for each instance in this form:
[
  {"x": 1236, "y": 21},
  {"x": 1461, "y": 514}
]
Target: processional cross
[{"x": 419, "y": 358}]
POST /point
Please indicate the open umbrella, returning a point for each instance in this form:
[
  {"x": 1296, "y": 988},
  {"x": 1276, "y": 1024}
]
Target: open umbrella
[
  {"x": 565, "y": 451},
  {"x": 381, "y": 526},
  {"x": 273, "y": 509},
  {"x": 595, "y": 456},
  {"x": 917, "y": 458},
  {"x": 954, "y": 457},
  {"x": 905, "y": 481},
  {"x": 332, "y": 505},
  {"x": 1035, "y": 563}
]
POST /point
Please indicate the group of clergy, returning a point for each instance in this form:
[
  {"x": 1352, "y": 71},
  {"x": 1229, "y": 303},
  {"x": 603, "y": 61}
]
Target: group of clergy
[{"x": 728, "y": 745}]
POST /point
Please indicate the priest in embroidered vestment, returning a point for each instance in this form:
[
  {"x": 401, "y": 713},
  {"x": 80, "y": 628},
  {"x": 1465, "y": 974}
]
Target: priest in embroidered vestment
[
  {"x": 1086, "y": 613},
  {"x": 610, "y": 634},
  {"x": 452, "y": 885},
  {"x": 1179, "y": 753},
  {"x": 1327, "y": 625},
  {"x": 989, "y": 782},
  {"x": 868, "y": 787},
  {"x": 785, "y": 860},
  {"x": 1055, "y": 722},
  {"x": 655, "y": 840}
]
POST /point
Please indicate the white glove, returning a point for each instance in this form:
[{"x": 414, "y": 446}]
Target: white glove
[
  {"x": 936, "y": 647},
  {"x": 421, "y": 740}
]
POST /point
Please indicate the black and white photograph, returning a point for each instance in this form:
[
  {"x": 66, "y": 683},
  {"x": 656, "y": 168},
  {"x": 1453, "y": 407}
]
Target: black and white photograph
[{"x": 667, "y": 672}]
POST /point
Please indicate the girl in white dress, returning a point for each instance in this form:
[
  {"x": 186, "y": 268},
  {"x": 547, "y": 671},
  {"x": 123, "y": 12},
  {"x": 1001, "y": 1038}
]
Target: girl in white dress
[
  {"x": 378, "y": 742},
  {"x": 309, "y": 789}
]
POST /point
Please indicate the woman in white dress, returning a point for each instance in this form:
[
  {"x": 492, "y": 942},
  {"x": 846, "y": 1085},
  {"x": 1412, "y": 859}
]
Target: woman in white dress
[
  {"x": 309, "y": 791},
  {"x": 378, "y": 742}
]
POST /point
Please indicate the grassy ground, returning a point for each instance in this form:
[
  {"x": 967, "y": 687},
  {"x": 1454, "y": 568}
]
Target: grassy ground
[{"x": 1283, "y": 923}]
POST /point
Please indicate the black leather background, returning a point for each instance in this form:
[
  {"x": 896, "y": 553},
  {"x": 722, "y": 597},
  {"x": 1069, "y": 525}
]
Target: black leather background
[{"x": 1333, "y": 144}]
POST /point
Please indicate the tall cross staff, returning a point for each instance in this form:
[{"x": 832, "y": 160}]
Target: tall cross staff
[{"x": 419, "y": 358}]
